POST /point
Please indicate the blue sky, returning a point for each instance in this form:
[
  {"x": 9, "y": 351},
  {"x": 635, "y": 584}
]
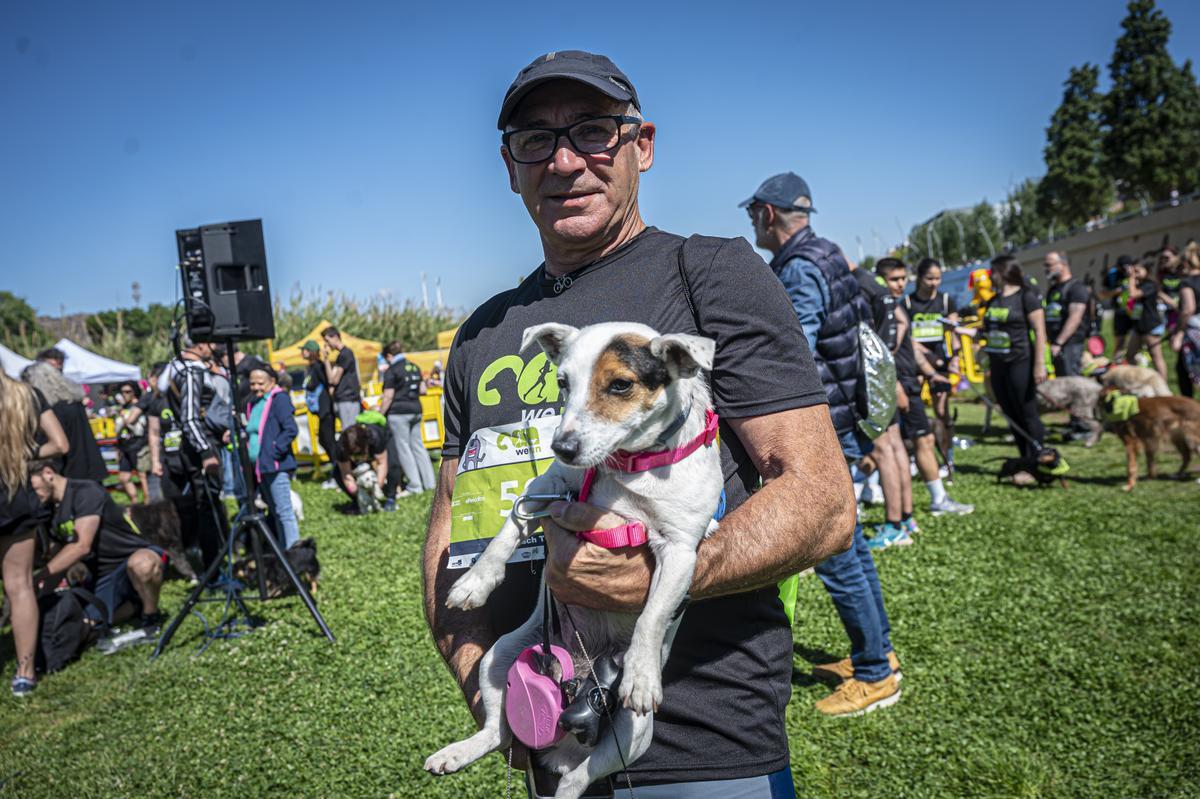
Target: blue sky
[{"x": 364, "y": 134}]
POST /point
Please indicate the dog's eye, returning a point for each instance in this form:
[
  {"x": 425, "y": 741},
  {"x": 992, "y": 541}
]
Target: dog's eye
[
  {"x": 619, "y": 387},
  {"x": 563, "y": 383}
]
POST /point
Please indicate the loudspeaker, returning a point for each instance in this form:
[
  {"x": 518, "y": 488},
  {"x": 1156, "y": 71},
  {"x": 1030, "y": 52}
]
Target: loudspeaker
[{"x": 226, "y": 293}]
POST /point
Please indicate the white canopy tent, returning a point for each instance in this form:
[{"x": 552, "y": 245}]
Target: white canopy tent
[
  {"x": 13, "y": 363},
  {"x": 85, "y": 366}
]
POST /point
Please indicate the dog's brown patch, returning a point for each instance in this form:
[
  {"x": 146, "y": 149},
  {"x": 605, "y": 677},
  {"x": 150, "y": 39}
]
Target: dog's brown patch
[{"x": 626, "y": 359}]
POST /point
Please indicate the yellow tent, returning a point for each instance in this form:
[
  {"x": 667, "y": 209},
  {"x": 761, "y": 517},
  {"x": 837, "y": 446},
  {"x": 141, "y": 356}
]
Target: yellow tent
[
  {"x": 365, "y": 351},
  {"x": 445, "y": 339}
]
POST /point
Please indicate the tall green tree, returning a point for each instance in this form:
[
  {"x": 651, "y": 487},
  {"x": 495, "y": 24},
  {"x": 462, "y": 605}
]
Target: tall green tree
[
  {"x": 19, "y": 327},
  {"x": 1020, "y": 222},
  {"x": 1075, "y": 187},
  {"x": 1151, "y": 114}
]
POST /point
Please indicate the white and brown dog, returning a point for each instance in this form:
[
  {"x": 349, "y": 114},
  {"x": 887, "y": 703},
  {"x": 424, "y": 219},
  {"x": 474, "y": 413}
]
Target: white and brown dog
[{"x": 628, "y": 390}]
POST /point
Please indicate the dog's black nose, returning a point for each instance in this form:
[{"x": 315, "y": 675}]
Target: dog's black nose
[{"x": 566, "y": 448}]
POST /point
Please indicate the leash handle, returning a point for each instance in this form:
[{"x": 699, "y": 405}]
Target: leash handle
[{"x": 525, "y": 516}]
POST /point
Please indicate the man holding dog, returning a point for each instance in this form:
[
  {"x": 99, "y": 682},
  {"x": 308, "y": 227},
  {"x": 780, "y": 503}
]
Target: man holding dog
[
  {"x": 575, "y": 144},
  {"x": 827, "y": 302}
]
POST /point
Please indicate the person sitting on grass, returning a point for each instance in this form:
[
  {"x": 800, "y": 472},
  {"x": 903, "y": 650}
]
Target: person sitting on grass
[
  {"x": 363, "y": 443},
  {"x": 270, "y": 431},
  {"x": 127, "y": 571}
]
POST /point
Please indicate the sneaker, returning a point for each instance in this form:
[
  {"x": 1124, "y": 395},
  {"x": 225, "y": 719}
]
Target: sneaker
[
  {"x": 389, "y": 506},
  {"x": 842, "y": 670},
  {"x": 910, "y": 526},
  {"x": 889, "y": 535},
  {"x": 329, "y": 484},
  {"x": 854, "y": 698},
  {"x": 948, "y": 505},
  {"x": 23, "y": 686},
  {"x": 872, "y": 495},
  {"x": 152, "y": 623}
]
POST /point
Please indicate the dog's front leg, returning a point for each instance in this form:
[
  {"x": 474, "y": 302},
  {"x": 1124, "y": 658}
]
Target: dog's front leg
[
  {"x": 630, "y": 732},
  {"x": 493, "y": 679},
  {"x": 474, "y": 587},
  {"x": 641, "y": 686}
]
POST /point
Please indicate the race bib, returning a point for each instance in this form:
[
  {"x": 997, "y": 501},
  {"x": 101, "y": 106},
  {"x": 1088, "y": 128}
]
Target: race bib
[
  {"x": 998, "y": 341},
  {"x": 171, "y": 440},
  {"x": 495, "y": 467},
  {"x": 927, "y": 328},
  {"x": 1053, "y": 311}
]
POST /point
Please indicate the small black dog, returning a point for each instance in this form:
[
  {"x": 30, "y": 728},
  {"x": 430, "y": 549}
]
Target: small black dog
[
  {"x": 158, "y": 523},
  {"x": 303, "y": 559}
]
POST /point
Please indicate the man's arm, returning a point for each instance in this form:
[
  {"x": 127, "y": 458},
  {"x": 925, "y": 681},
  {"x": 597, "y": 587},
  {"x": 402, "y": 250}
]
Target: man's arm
[
  {"x": 807, "y": 290},
  {"x": 85, "y": 534},
  {"x": 1074, "y": 319},
  {"x": 333, "y": 372},
  {"x": 901, "y": 327},
  {"x": 385, "y": 402},
  {"x": 154, "y": 434},
  {"x": 462, "y": 637},
  {"x": 1037, "y": 319},
  {"x": 804, "y": 513}
]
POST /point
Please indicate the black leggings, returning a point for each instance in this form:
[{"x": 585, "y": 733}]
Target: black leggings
[
  {"x": 1186, "y": 388},
  {"x": 1012, "y": 382}
]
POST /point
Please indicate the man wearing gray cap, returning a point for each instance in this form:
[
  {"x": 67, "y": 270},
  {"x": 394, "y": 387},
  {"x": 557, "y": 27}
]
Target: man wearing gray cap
[
  {"x": 575, "y": 144},
  {"x": 829, "y": 305}
]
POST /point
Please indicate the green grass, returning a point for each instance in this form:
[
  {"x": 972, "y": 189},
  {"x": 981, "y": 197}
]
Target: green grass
[{"x": 1050, "y": 642}]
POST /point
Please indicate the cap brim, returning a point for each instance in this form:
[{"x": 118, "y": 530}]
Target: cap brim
[
  {"x": 601, "y": 85},
  {"x": 747, "y": 203}
]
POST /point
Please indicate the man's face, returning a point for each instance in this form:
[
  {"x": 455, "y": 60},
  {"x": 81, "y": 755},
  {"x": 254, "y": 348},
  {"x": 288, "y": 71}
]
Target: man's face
[
  {"x": 1053, "y": 266},
  {"x": 43, "y": 484},
  {"x": 577, "y": 199},
  {"x": 204, "y": 350},
  {"x": 758, "y": 221},
  {"x": 896, "y": 280},
  {"x": 333, "y": 342}
]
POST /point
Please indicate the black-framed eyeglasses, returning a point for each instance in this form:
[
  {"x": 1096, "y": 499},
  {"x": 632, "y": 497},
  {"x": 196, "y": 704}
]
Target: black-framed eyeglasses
[{"x": 590, "y": 136}]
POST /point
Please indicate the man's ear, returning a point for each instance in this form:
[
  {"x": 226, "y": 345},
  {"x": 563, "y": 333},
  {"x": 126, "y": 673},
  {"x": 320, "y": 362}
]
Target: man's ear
[
  {"x": 645, "y": 146},
  {"x": 551, "y": 337},
  {"x": 511, "y": 166},
  {"x": 684, "y": 355}
]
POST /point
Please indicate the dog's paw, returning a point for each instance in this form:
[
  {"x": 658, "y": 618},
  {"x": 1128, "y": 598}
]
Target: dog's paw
[
  {"x": 712, "y": 527},
  {"x": 471, "y": 591},
  {"x": 451, "y": 758},
  {"x": 641, "y": 687}
]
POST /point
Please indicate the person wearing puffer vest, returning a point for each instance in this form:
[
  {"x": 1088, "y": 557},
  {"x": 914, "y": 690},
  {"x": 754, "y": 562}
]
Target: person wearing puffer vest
[
  {"x": 271, "y": 429},
  {"x": 829, "y": 305}
]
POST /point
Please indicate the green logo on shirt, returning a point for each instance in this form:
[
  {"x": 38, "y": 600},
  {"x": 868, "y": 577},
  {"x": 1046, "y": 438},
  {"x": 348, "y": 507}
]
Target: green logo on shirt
[{"x": 536, "y": 381}]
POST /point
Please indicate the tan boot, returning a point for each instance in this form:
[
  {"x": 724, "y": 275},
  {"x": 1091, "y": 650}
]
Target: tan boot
[
  {"x": 854, "y": 698},
  {"x": 844, "y": 669}
]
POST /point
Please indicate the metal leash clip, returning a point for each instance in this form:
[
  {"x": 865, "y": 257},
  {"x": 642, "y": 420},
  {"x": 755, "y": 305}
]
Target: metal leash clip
[{"x": 525, "y": 516}]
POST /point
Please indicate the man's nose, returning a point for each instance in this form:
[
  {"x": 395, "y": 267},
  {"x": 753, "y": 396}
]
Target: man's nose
[
  {"x": 566, "y": 447},
  {"x": 565, "y": 160}
]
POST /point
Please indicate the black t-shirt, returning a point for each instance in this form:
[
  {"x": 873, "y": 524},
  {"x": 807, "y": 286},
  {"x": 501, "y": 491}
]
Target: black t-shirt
[
  {"x": 347, "y": 388},
  {"x": 1058, "y": 302},
  {"x": 377, "y": 441},
  {"x": 314, "y": 379},
  {"x": 115, "y": 540},
  {"x": 728, "y": 679},
  {"x": 883, "y": 305},
  {"x": 924, "y": 320},
  {"x": 404, "y": 378},
  {"x": 1145, "y": 313},
  {"x": 83, "y": 460},
  {"x": 1006, "y": 325},
  {"x": 907, "y": 373}
]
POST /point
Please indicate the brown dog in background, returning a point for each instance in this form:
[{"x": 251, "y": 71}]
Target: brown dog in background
[{"x": 1159, "y": 419}]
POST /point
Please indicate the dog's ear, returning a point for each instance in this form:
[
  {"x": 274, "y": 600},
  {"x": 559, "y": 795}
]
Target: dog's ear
[
  {"x": 684, "y": 355},
  {"x": 551, "y": 337}
]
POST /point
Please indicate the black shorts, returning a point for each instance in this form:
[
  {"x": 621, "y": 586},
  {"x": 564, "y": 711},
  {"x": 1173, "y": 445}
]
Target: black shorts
[
  {"x": 914, "y": 423},
  {"x": 1122, "y": 324}
]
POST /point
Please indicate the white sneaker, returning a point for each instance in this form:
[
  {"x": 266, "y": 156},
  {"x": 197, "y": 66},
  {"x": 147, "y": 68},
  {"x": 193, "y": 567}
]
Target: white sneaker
[
  {"x": 950, "y": 506},
  {"x": 329, "y": 484},
  {"x": 872, "y": 495}
]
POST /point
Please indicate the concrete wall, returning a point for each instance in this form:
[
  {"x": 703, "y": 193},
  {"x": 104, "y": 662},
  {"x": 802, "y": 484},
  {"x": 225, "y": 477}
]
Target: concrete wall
[{"x": 1094, "y": 252}]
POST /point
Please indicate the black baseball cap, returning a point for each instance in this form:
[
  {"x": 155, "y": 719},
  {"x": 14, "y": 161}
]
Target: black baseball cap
[
  {"x": 596, "y": 71},
  {"x": 783, "y": 191}
]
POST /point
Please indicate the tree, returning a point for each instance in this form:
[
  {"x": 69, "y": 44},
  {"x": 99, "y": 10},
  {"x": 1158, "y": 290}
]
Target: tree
[
  {"x": 19, "y": 328},
  {"x": 1075, "y": 187},
  {"x": 1151, "y": 115},
  {"x": 1020, "y": 222}
]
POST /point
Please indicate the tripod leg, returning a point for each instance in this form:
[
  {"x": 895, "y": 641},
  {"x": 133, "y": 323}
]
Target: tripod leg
[
  {"x": 256, "y": 521},
  {"x": 165, "y": 637}
]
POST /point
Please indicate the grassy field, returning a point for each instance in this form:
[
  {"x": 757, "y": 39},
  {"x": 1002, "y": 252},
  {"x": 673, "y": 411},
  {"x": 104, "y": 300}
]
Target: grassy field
[{"x": 1050, "y": 642}]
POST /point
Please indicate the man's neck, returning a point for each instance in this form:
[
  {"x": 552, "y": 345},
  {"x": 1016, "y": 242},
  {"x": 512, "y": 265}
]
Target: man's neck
[
  {"x": 60, "y": 490},
  {"x": 564, "y": 260}
]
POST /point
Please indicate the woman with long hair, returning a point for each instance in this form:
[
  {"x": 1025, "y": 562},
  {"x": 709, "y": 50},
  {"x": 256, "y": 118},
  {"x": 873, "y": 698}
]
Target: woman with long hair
[
  {"x": 929, "y": 309},
  {"x": 23, "y": 413},
  {"x": 1141, "y": 300},
  {"x": 132, "y": 443},
  {"x": 65, "y": 398},
  {"x": 1016, "y": 363}
]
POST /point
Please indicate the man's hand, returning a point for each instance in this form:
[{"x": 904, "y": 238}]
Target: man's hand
[
  {"x": 1177, "y": 341},
  {"x": 1055, "y": 349},
  {"x": 156, "y": 468},
  {"x": 1039, "y": 372},
  {"x": 211, "y": 466},
  {"x": 901, "y": 398},
  {"x": 580, "y": 573},
  {"x": 938, "y": 377}
]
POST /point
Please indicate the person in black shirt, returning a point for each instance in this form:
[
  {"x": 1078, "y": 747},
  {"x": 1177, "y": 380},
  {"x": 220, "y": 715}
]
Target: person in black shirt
[
  {"x": 132, "y": 447},
  {"x": 929, "y": 312},
  {"x": 23, "y": 414},
  {"x": 1149, "y": 326},
  {"x": 403, "y": 386},
  {"x": 362, "y": 443},
  {"x": 1186, "y": 338},
  {"x": 126, "y": 569},
  {"x": 341, "y": 373},
  {"x": 83, "y": 460},
  {"x": 728, "y": 679},
  {"x": 1066, "y": 303},
  {"x": 1012, "y": 318},
  {"x": 319, "y": 400}
]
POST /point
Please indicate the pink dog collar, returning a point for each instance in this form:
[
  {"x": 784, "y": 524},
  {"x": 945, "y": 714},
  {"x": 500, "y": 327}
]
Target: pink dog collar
[{"x": 633, "y": 534}]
